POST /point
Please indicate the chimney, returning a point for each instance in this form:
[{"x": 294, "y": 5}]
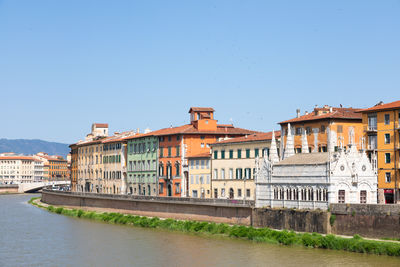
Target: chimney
[{"x": 298, "y": 113}]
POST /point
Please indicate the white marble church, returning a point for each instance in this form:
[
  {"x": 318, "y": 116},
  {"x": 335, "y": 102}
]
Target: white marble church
[{"x": 314, "y": 180}]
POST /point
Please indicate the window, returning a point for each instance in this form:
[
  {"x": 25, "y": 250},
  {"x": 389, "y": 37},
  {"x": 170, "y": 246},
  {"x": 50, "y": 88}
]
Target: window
[
  {"x": 191, "y": 162},
  {"x": 372, "y": 122},
  {"x": 202, "y": 137},
  {"x": 215, "y": 154},
  {"x": 247, "y": 192},
  {"x": 341, "y": 198},
  {"x": 308, "y": 130},
  {"x": 387, "y": 157},
  {"x": 197, "y": 163},
  {"x": 177, "y": 151},
  {"x": 197, "y": 179},
  {"x": 247, "y": 173},
  {"x": 256, "y": 151},
  {"x": 239, "y": 153},
  {"x": 239, "y": 173},
  {"x": 239, "y": 192},
  {"x": 177, "y": 169},
  {"x": 387, "y": 138},
  {"x": 387, "y": 119},
  {"x": 222, "y": 173},
  {"x": 372, "y": 142},
  {"x": 202, "y": 164},
  {"x": 363, "y": 196},
  {"x": 230, "y": 173},
  {"x": 298, "y": 130},
  {"x": 247, "y": 153},
  {"x": 194, "y": 193},
  {"x": 169, "y": 151},
  {"x": 298, "y": 150},
  {"x": 215, "y": 192},
  {"x": 222, "y": 154},
  {"x": 388, "y": 177},
  {"x": 340, "y": 128},
  {"x": 231, "y": 154},
  {"x": 178, "y": 138},
  {"x": 169, "y": 138},
  {"x": 191, "y": 179},
  {"x": 322, "y": 128},
  {"x": 161, "y": 152},
  {"x": 222, "y": 192},
  {"x": 177, "y": 188},
  {"x": 202, "y": 145},
  {"x": 215, "y": 174}
]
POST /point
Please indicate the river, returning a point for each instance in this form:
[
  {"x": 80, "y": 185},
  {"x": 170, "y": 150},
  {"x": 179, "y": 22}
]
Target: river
[{"x": 30, "y": 236}]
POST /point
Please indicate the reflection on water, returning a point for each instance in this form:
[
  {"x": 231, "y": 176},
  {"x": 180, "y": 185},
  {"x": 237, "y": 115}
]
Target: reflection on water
[{"x": 34, "y": 237}]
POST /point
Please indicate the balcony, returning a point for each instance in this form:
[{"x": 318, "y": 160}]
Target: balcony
[
  {"x": 371, "y": 128},
  {"x": 372, "y": 147}
]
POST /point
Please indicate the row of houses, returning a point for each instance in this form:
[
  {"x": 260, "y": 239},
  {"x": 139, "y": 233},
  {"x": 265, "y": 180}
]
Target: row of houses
[
  {"x": 204, "y": 159},
  {"x": 16, "y": 169}
]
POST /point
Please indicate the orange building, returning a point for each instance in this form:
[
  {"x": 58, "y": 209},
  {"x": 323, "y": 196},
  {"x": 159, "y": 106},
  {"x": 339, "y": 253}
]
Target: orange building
[
  {"x": 55, "y": 167},
  {"x": 177, "y": 144},
  {"x": 340, "y": 122},
  {"x": 381, "y": 131}
]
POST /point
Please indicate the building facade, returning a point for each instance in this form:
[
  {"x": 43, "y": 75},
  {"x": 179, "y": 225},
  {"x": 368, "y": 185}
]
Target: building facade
[
  {"x": 142, "y": 166},
  {"x": 177, "y": 144},
  {"x": 314, "y": 180},
  {"x": 18, "y": 169},
  {"x": 200, "y": 175},
  {"x": 234, "y": 164},
  {"x": 381, "y": 133},
  {"x": 324, "y": 128},
  {"x": 55, "y": 168}
]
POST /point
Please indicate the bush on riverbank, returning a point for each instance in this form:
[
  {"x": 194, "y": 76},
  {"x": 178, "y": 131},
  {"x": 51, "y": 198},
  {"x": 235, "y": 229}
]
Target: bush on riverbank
[{"x": 314, "y": 240}]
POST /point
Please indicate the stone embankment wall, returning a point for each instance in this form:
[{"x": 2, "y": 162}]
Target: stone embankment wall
[
  {"x": 233, "y": 212},
  {"x": 370, "y": 220},
  {"x": 9, "y": 189},
  {"x": 290, "y": 219}
]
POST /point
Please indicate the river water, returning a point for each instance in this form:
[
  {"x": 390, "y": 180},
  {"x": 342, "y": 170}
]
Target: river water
[{"x": 30, "y": 236}]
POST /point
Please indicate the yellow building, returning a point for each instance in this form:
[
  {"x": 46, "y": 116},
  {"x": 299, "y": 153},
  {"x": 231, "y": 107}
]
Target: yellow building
[
  {"x": 381, "y": 131},
  {"x": 200, "y": 175},
  {"x": 316, "y": 124},
  {"x": 233, "y": 164}
]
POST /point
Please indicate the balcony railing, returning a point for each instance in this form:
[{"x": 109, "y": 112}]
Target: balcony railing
[
  {"x": 372, "y": 147},
  {"x": 371, "y": 128}
]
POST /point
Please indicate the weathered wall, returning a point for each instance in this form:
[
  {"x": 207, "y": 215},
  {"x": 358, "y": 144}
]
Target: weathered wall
[
  {"x": 366, "y": 220},
  {"x": 8, "y": 189},
  {"x": 297, "y": 220},
  {"x": 157, "y": 206}
]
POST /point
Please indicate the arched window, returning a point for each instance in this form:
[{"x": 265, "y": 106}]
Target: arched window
[
  {"x": 161, "y": 170},
  {"x": 177, "y": 169}
]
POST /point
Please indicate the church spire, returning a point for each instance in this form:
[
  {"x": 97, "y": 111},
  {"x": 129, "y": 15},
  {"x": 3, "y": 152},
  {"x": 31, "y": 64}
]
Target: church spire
[
  {"x": 273, "y": 152},
  {"x": 289, "y": 149},
  {"x": 304, "y": 143}
]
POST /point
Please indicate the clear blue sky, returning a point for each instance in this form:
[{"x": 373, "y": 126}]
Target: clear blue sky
[{"x": 138, "y": 64}]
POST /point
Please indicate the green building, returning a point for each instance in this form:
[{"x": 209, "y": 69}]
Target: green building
[{"x": 142, "y": 165}]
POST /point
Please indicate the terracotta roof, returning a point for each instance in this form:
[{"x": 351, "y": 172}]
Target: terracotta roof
[
  {"x": 200, "y": 109},
  {"x": 118, "y": 137},
  {"x": 101, "y": 125},
  {"x": 190, "y": 129},
  {"x": 201, "y": 155},
  {"x": 337, "y": 113},
  {"x": 250, "y": 138},
  {"x": 382, "y": 106},
  {"x": 16, "y": 158},
  {"x": 305, "y": 159}
]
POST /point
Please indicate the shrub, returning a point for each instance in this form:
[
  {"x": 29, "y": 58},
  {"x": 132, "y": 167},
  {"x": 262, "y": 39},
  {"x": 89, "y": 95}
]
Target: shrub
[
  {"x": 59, "y": 210},
  {"x": 332, "y": 219}
]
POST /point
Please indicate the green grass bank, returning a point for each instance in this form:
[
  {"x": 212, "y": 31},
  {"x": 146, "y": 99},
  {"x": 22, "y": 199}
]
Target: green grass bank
[{"x": 266, "y": 235}]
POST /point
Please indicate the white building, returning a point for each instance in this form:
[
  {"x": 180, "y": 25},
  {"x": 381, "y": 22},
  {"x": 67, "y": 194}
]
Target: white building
[
  {"x": 17, "y": 169},
  {"x": 314, "y": 180}
]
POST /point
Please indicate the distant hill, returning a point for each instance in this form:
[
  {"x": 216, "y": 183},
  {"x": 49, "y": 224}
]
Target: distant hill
[{"x": 27, "y": 147}]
